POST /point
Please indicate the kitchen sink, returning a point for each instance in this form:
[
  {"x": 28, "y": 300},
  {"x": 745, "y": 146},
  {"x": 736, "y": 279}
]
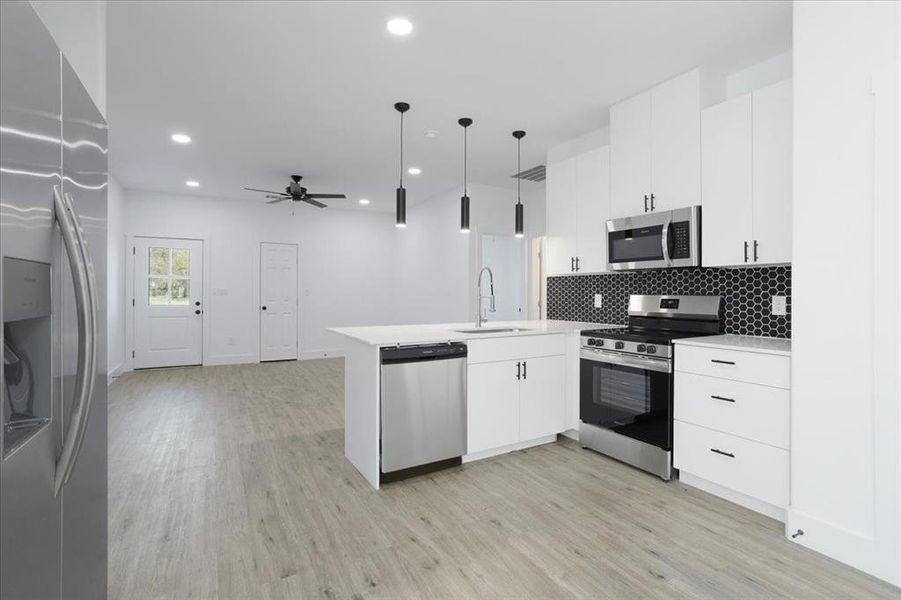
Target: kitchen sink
[{"x": 492, "y": 330}]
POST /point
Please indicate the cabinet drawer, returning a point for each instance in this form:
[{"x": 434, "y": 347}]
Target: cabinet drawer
[
  {"x": 751, "y": 468},
  {"x": 756, "y": 412},
  {"x": 753, "y": 367},
  {"x": 515, "y": 348}
]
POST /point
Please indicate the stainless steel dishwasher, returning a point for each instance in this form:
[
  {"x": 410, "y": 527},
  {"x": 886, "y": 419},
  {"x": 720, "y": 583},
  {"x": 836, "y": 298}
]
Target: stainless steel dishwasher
[{"x": 423, "y": 407}]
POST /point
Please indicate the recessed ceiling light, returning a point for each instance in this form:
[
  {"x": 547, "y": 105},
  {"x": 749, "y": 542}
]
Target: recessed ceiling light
[
  {"x": 431, "y": 133},
  {"x": 400, "y": 26},
  {"x": 414, "y": 170},
  {"x": 192, "y": 183},
  {"x": 364, "y": 200},
  {"x": 181, "y": 138}
]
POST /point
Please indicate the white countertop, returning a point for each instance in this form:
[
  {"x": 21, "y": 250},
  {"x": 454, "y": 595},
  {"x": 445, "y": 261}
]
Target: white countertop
[
  {"x": 745, "y": 343},
  {"x": 390, "y": 335}
]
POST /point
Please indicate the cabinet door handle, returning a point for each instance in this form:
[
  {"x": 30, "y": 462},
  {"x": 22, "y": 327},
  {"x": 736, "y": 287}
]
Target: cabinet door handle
[
  {"x": 525, "y": 373},
  {"x": 645, "y": 203},
  {"x": 722, "y": 362},
  {"x": 652, "y": 202},
  {"x": 572, "y": 264},
  {"x": 519, "y": 370},
  {"x": 577, "y": 264},
  {"x": 723, "y": 398},
  {"x": 755, "y": 250},
  {"x": 746, "y": 251},
  {"x": 718, "y": 451}
]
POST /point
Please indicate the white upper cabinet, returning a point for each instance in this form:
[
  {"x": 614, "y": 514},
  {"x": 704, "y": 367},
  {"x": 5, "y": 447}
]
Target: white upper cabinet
[
  {"x": 726, "y": 185},
  {"x": 562, "y": 220},
  {"x": 772, "y": 162},
  {"x": 747, "y": 180},
  {"x": 578, "y": 205},
  {"x": 630, "y": 155},
  {"x": 655, "y": 156}
]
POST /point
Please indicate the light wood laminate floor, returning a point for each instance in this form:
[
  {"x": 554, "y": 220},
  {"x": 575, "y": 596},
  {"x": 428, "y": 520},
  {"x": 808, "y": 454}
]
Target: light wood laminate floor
[{"x": 230, "y": 482}]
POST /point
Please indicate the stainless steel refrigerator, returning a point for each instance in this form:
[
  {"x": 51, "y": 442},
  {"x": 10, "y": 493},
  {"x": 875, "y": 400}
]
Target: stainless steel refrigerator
[{"x": 53, "y": 186}]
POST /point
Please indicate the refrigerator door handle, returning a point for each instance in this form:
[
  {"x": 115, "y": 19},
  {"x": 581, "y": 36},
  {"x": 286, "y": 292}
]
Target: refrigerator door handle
[{"x": 86, "y": 311}]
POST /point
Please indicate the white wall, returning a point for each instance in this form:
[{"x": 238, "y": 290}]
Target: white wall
[
  {"x": 115, "y": 278},
  {"x": 846, "y": 276},
  {"x": 437, "y": 264},
  {"x": 346, "y": 266},
  {"x": 773, "y": 70},
  {"x": 79, "y": 28}
]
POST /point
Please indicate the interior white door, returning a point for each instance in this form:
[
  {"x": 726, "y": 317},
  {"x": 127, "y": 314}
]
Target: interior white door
[
  {"x": 773, "y": 173},
  {"x": 676, "y": 143},
  {"x": 168, "y": 295},
  {"x": 630, "y": 155},
  {"x": 562, "y": 219},
  {"x": 278, "y": 301},
  {"x": 726, "y": 183},
  {"x": 593, "y": 198},
  {"x": 503, "y": 254}
]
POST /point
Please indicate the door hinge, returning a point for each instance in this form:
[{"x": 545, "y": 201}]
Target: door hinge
[
  {"x": 132, "y": 353},
  {"x": 132, "y": 301},
  {"x": 133, "y": 250}
]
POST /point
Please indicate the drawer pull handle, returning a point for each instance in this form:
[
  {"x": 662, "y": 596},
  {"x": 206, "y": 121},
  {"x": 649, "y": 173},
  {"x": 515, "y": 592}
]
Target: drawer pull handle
[
  {"x": 723, "y": 399},
  {"x": 722, "y": 362},
  {"x": 729, "y": 454}
]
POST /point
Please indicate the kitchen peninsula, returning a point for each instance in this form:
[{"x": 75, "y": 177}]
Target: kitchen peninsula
[{"x": 505, "y": 409}]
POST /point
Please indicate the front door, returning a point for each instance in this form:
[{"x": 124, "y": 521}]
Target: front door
[
  {"x": 168, "y": 292},
  {"x": 278, "y": 301}
]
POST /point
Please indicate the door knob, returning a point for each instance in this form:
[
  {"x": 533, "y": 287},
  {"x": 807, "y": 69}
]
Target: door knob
[
  {"x": 264, "y": 308},
  {"x": 197, "y": 303},
  {"x": 197, "y": 312}
]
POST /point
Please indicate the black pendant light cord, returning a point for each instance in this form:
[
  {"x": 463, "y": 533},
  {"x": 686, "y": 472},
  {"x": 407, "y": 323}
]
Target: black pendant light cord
[
  {"x": 464, "y": 162},
  {"x": 518, "y": 170},
  {"x": 401, "y": 149}
]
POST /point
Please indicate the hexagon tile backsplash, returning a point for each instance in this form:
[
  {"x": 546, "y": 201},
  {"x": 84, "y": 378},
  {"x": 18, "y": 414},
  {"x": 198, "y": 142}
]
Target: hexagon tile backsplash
[{"x": 747, "y": 295}]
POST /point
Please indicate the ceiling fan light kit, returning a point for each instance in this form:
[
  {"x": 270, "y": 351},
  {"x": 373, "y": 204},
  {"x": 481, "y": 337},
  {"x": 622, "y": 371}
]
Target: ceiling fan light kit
[
  {"x": 400, "y": 215},
  {"x": 518, "y": 226}
]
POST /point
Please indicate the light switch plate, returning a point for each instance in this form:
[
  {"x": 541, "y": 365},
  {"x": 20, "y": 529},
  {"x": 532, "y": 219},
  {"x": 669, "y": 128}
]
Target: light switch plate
[
  {"x": 779, "y": 307},
  {"x": 598, "y": 300}
]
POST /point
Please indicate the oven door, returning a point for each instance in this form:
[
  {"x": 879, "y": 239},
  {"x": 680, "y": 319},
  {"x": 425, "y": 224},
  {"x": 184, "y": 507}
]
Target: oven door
[
  {"x": 630, "y": 395},
  {"x": 655, "y": 240}
]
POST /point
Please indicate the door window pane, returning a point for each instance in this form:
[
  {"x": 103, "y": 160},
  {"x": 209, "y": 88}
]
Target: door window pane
[
  {"x": 158, "y": 291},
  {"x": 159, "y": 261},
  {"x": 181, "y": 261},
  {"x": 180, "y": 291}
]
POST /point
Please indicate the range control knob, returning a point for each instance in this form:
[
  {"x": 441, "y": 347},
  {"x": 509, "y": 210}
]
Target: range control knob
[
  {"x": 619, "y": 345},
  {"x": 652, "y": 350},
  {"x": 641, "y": 348},
  {"x": 599, "y": 342},
  {"x": 591, "y": 341}
]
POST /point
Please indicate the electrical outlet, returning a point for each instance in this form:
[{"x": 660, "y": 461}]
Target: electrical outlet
[
  {"x": 779, "y": 306},
  {"x": 598, "y": 300}
]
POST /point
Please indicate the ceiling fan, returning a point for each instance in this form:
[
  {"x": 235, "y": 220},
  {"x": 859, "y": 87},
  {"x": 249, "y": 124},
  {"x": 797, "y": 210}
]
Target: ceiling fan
[{"x": 297, "y": 193}]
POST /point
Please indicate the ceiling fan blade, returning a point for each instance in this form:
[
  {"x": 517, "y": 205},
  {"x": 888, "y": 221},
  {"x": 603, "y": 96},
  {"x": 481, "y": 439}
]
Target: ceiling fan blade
[
  {"x": 325, "y": 196},
  {"x": 277, "y": 200},
  {"x": 264, "y": 191},
  {"x": 313, "y": 202}
]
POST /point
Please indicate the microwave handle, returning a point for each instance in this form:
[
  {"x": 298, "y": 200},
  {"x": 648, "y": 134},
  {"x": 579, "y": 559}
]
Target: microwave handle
[{"x": 664, "y": 241}]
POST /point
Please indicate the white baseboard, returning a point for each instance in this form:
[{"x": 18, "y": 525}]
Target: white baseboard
[
  {"x": 510, "y": 448},
  {"x": 230, "y": 359},
  {"x": 114, "y": 373},
  {"x": 328, "y": 353},
  {"x": 572, "y": 434},
  {"x": 765, "y": 508}
]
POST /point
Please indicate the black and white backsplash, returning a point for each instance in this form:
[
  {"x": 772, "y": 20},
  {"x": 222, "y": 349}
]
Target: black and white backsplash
[{"x": 747, "y": 295}]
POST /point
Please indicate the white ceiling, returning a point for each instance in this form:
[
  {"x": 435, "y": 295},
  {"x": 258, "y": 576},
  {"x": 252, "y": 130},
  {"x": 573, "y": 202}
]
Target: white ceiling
[{"x": 267, "y": 89}]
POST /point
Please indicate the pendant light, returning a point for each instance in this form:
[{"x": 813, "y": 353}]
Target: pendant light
[
  {"x": 518, "y": 231},
  {"x": 401, "y": 211},
  {"x": 464, "y": 200}
]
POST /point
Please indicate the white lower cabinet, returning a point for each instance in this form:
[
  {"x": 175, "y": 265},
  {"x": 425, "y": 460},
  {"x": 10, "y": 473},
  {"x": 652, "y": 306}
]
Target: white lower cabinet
[
  {"x": 731, "y": 412},
  {"x": 512, "y": 401}
]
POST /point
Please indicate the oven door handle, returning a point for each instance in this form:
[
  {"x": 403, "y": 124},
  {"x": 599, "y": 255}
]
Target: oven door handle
[{"x": 661, "y": 365}]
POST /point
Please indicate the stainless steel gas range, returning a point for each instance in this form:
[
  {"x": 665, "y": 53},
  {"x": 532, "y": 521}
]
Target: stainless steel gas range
[{"x": 626, "y": 379}]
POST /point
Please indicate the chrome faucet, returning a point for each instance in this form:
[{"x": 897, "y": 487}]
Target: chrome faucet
[{"x": 483, "y": 317}]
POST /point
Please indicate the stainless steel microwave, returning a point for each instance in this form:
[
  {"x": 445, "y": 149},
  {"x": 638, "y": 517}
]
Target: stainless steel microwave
[{"x": 656, "y": 240}]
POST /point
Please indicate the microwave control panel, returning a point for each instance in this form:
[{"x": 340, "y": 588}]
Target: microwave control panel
[{"x": 681, "y": 240}]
